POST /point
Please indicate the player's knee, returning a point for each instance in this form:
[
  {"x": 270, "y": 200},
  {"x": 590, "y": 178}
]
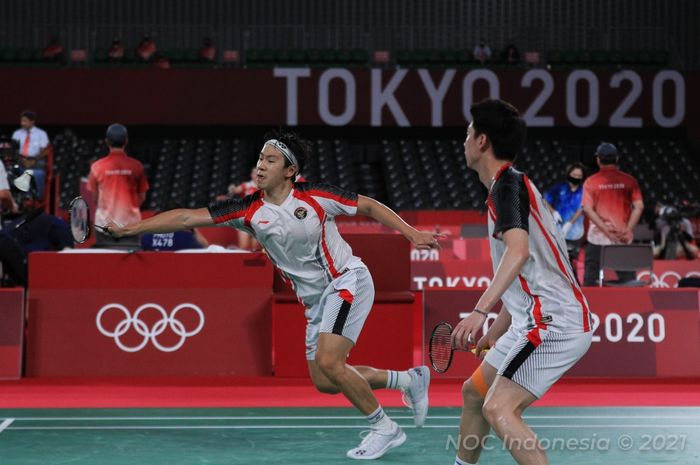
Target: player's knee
[
  {"x": 496, "y": 412},
  {"x": 471, "y": 396},
  {"x": 330, "y": 365}
]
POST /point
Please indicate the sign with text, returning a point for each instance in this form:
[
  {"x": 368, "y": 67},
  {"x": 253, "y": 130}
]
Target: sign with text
[
  {"x": 353, "y": 97},
  {"x": 637, "y": 332}
]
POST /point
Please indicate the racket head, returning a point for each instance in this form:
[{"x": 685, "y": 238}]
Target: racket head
[
  {"x": 441, "y": 350},
  {"x": 79, "y": 219}
]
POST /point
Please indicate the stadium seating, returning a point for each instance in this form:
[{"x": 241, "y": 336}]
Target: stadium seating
[{"x": 408, "y": 174}]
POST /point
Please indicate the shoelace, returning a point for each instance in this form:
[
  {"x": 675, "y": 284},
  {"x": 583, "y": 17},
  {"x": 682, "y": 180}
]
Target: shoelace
[{"x": 367, "y": 434}]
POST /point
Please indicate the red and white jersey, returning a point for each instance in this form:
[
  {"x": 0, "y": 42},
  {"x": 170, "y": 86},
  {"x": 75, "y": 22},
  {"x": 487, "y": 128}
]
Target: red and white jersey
[
  {"x": 610, "y": 192},
  {"x": 119, "y": 180},
  {"x": 546, "y": 294},
  {"x": 300, "y": 235}
]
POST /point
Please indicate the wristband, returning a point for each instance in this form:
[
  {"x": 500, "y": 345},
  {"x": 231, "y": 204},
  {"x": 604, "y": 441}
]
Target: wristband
[{"x": 480, "y": 312}]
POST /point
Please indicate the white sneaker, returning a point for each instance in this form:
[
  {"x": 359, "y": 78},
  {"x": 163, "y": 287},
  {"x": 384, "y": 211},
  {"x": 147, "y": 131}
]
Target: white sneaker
[
  {"x": 378, "y": 443},
  {"x": 416, "y": 395}
]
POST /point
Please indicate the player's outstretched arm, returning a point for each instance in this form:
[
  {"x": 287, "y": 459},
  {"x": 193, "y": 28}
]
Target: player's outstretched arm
[
  {"x": 421, "y": 239},
  {"x": 170, "y": 221}
]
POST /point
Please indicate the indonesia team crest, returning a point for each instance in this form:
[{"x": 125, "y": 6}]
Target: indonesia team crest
[{"x": 300, "y": 213}]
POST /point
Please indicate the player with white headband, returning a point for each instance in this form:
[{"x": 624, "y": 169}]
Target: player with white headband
[{"x": 295, "y": 223}]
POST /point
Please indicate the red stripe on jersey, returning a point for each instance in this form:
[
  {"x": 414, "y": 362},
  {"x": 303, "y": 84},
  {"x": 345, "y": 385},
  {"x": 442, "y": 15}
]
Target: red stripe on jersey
[
  {"x": 329, "y": 195},
  {"x": 251, "y": 211},
  {"x": 491, "y": 208},
  {"x": 537, "y": 310},
  {"x": 346, "y": 296},
  {"x": 574, "y": 286},
  {"x": 304, "y": 197},
  {"x": 534, "y": 337},
  {"x": 230, "y": 216}
]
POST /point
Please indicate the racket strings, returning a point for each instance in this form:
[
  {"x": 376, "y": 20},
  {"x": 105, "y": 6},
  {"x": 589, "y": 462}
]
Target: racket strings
[{"x": 441, "y": 347}]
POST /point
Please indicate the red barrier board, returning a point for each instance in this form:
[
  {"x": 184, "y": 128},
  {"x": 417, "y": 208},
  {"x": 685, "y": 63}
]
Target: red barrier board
[
  {"x": 391, "y": 332},
  {"x": 637, "y": 332},
  {"x": 149, "y": 314},
  {"x": 11, "y": 332},
  {"x": 433, "y": 271}
]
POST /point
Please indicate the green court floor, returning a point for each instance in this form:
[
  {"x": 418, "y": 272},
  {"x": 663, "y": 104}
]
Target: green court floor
[{"x": 295, "y": 436}]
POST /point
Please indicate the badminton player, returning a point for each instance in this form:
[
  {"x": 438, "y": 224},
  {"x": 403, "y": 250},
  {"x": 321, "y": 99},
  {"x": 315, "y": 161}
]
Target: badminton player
[
  {"x": 295, "y": 223},
  {"x": 544, "y": 327}
]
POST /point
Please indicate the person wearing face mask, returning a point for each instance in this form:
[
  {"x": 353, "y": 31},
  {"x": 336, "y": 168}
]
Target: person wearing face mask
[{"x": 564, "y": 200}]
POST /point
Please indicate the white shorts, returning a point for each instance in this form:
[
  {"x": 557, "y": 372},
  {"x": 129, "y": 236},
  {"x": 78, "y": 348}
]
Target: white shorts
[
  {"x": 342, "y": 310},
  {"x": 537, "y": 363}
]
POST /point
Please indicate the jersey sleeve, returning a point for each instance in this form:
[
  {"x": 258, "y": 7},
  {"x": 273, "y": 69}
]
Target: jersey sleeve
[
  {"x": 92, "y": 180},
  {"x": 232, "y": 212},
  {"x": 636, "y": 191},
  {"x": 334, "y": 200},
  {"x": 43, "y": 140},
  {"x": 511, "y": 203}
]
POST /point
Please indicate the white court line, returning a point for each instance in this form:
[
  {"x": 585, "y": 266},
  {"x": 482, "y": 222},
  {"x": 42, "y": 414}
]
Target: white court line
[
  {"x": 336, "y": 417},
  {"x": 251, "y": 427},
  {"x": 5, "y": 424}
]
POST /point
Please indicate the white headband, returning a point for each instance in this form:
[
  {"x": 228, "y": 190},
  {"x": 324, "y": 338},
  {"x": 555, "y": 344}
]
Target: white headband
[{"x": 288, "y": 154}]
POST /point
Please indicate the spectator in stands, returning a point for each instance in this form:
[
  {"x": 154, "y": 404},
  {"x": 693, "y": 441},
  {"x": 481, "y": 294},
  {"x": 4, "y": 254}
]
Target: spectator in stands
[
  {"x": 119, "y": 185},
  {"x": 7, "y": 202},
  {"x": 116, "y": 50},
  {"x": 482, "y": 52},
  {"x": 146, "y": 49},
  {"x": 564, "y": 200},
  {"x": 510, "y": 55},
  {"x": 613, "y": 203},
  {"x": 207, "y": 53},
  {"x": 33, "y": 148},
  {"x": 53, "y": 51},
  {"x": 161, "y": 61}
]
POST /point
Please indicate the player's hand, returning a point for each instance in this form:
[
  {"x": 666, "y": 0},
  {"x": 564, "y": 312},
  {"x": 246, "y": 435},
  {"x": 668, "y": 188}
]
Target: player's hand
[
  {"x": 426, "y": 240},
  {"x": 464, "y": 333},
  {"x": 485, "y": 343},
  {"x": 626, "y": 236},
  {"x": 114, "y": 229}
]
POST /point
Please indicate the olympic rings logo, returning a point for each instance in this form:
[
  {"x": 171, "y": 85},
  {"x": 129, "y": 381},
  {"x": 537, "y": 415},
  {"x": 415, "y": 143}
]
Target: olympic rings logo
[
  {"x": 666, "y": 280},
  {"x": 149, "y": 333}
]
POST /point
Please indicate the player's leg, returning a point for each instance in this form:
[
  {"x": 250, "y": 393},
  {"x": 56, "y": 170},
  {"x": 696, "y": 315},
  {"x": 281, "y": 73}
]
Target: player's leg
[
  {"x": 503, "y": 410},
  {"x": 534, "y": 363},
  {"x": 473, "y": 427},
  {"x": 330, "y": 359},
  {"x": 376, "y": 378},
  {"x": 385, "y": 434}
]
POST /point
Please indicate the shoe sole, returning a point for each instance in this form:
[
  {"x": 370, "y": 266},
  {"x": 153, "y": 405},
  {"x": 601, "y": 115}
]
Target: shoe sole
[
  {"x": 396, "y": 442},
  {"x": 426, "y": 385}
]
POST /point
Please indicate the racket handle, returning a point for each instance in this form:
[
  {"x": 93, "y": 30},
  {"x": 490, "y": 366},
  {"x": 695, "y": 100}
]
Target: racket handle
[{"x": 473, "y": 351}]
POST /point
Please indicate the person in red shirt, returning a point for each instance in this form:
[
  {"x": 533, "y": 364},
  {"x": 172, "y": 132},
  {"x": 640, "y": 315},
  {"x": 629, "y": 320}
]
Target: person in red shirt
[
  {"x": 118, "y": 183},
  {"x": 116, "y": 50},
  {"x": 146, "y": 49},
  {"x": 613, "y": 203},
  {"x": 207, "y": 53}
]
